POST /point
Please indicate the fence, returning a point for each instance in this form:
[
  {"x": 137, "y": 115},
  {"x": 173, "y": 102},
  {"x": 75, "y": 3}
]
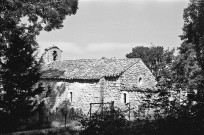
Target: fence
[{"x": 100, "y": 108}]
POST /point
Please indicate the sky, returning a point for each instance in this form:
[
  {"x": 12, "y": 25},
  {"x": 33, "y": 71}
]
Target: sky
[{"x": 111, "y": 28}]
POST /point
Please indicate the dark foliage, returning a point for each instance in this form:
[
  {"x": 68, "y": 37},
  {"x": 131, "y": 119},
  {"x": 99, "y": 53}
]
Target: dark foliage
[
  {"x": 189, "y": 68},
  {"x": 114, "y": 123},
  {"x": 106, "y": 123},
  {"x": 184, "y": 114},
  {"x": 155, "y": 57},
  {"x": 20, "y": 70}
]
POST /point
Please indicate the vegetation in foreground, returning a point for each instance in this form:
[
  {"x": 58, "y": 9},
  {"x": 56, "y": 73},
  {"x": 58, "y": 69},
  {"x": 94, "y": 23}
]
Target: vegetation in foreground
[{"x": 19, "y": 68}]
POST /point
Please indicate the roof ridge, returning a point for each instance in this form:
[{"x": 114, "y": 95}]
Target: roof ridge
[
  {"x": 131, "y": 65},
  {"x": 100, "y": 59}
]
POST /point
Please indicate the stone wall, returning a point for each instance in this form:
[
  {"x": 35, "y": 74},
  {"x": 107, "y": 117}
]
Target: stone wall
[
  {"x": 138, "y": 76},
  {"x": 84, "y": 94},
  {"x": 129, "y": 83},
  {"x": 81, "y": 94},
  {"x": 113, "y": 92}
]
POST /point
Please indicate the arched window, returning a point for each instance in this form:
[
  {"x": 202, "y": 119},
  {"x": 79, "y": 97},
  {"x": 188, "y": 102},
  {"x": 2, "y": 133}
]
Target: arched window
[
  {"x": 140, "y": 80},
  {"x": 54, "y": 54}
]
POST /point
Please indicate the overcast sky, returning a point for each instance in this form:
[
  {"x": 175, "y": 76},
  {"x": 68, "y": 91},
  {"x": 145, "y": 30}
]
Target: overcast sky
[{"x": 111, "y": 28}]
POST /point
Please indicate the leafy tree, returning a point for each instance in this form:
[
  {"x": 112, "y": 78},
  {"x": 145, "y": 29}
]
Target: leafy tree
[
  {"x": 190, "y": 67},
  {"x": 191, "y": 50},
  {"x": 186, "y": 74},
  {"x": 20, "y": 73},
  {"x": 19, "y": 68},
  {"x": 155, "y": 57}
]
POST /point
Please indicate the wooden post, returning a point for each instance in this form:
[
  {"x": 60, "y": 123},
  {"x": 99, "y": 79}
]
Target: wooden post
[
  {"x": 65, "y": 120},
  {"x": 102, "y": 83},
  {"x": 90, "y": 110},
  {"x": 112, "y": 107},
  {"x": 65, "y": 115},
  {"x": 102, "y": 110},
  {"x": 129, "y": 111}
]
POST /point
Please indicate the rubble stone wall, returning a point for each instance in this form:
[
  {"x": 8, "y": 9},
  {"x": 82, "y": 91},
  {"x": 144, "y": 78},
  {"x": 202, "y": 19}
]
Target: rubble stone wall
[
  {"x": 80, "y": 95},
  {"x": 138, "y": 76}
]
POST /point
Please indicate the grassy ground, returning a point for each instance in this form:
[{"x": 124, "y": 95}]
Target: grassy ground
[
  {"x": 71, "y": 128},
  {"x": 72, "y": 124}
]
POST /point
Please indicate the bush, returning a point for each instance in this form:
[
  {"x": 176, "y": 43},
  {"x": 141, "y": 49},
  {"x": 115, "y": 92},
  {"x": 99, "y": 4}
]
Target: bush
[
  {"x": 114, "y": 123},
  {"x": 106, "y": 123}
]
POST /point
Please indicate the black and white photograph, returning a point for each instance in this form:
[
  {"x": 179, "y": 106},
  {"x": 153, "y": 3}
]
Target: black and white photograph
[{"x": 101, "y": 67}]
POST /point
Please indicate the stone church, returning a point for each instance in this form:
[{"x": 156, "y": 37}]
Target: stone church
[{"x": 86, "y": 81}]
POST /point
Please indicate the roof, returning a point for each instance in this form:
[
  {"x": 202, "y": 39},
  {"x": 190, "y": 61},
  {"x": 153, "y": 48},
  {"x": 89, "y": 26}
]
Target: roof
[
  {"x": 87, "y": 69},
  {"x": 52, "y": 48}
]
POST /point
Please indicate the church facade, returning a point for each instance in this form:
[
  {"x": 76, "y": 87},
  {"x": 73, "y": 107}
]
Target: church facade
[{"x": 85, "y": 81}]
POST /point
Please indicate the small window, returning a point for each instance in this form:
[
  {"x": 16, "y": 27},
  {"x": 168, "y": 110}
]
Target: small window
[
  {"x": 140, "y": 80},
  {"x": 124, "y": 97},
  {"x": 71, "y": 96}
]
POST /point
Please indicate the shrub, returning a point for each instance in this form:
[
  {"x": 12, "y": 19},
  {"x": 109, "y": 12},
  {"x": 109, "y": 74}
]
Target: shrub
[{"x": 108, "y": 122}]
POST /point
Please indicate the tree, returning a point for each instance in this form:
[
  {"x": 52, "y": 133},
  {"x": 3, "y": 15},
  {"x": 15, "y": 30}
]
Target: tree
[
  {"x": 191, "y": 64},
  {"x": 39, "y": 15},
  {"x": 155, "y": 57},
  {"x": 20, "y": 73},
  {"x": 20, "y": 70},
  {"x": 187, "y": 74},
  {"x": 193, "y": 35}
]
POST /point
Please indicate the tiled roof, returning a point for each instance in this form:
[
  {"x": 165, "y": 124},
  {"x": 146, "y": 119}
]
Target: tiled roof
[{"x": 87, "y": 69}]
